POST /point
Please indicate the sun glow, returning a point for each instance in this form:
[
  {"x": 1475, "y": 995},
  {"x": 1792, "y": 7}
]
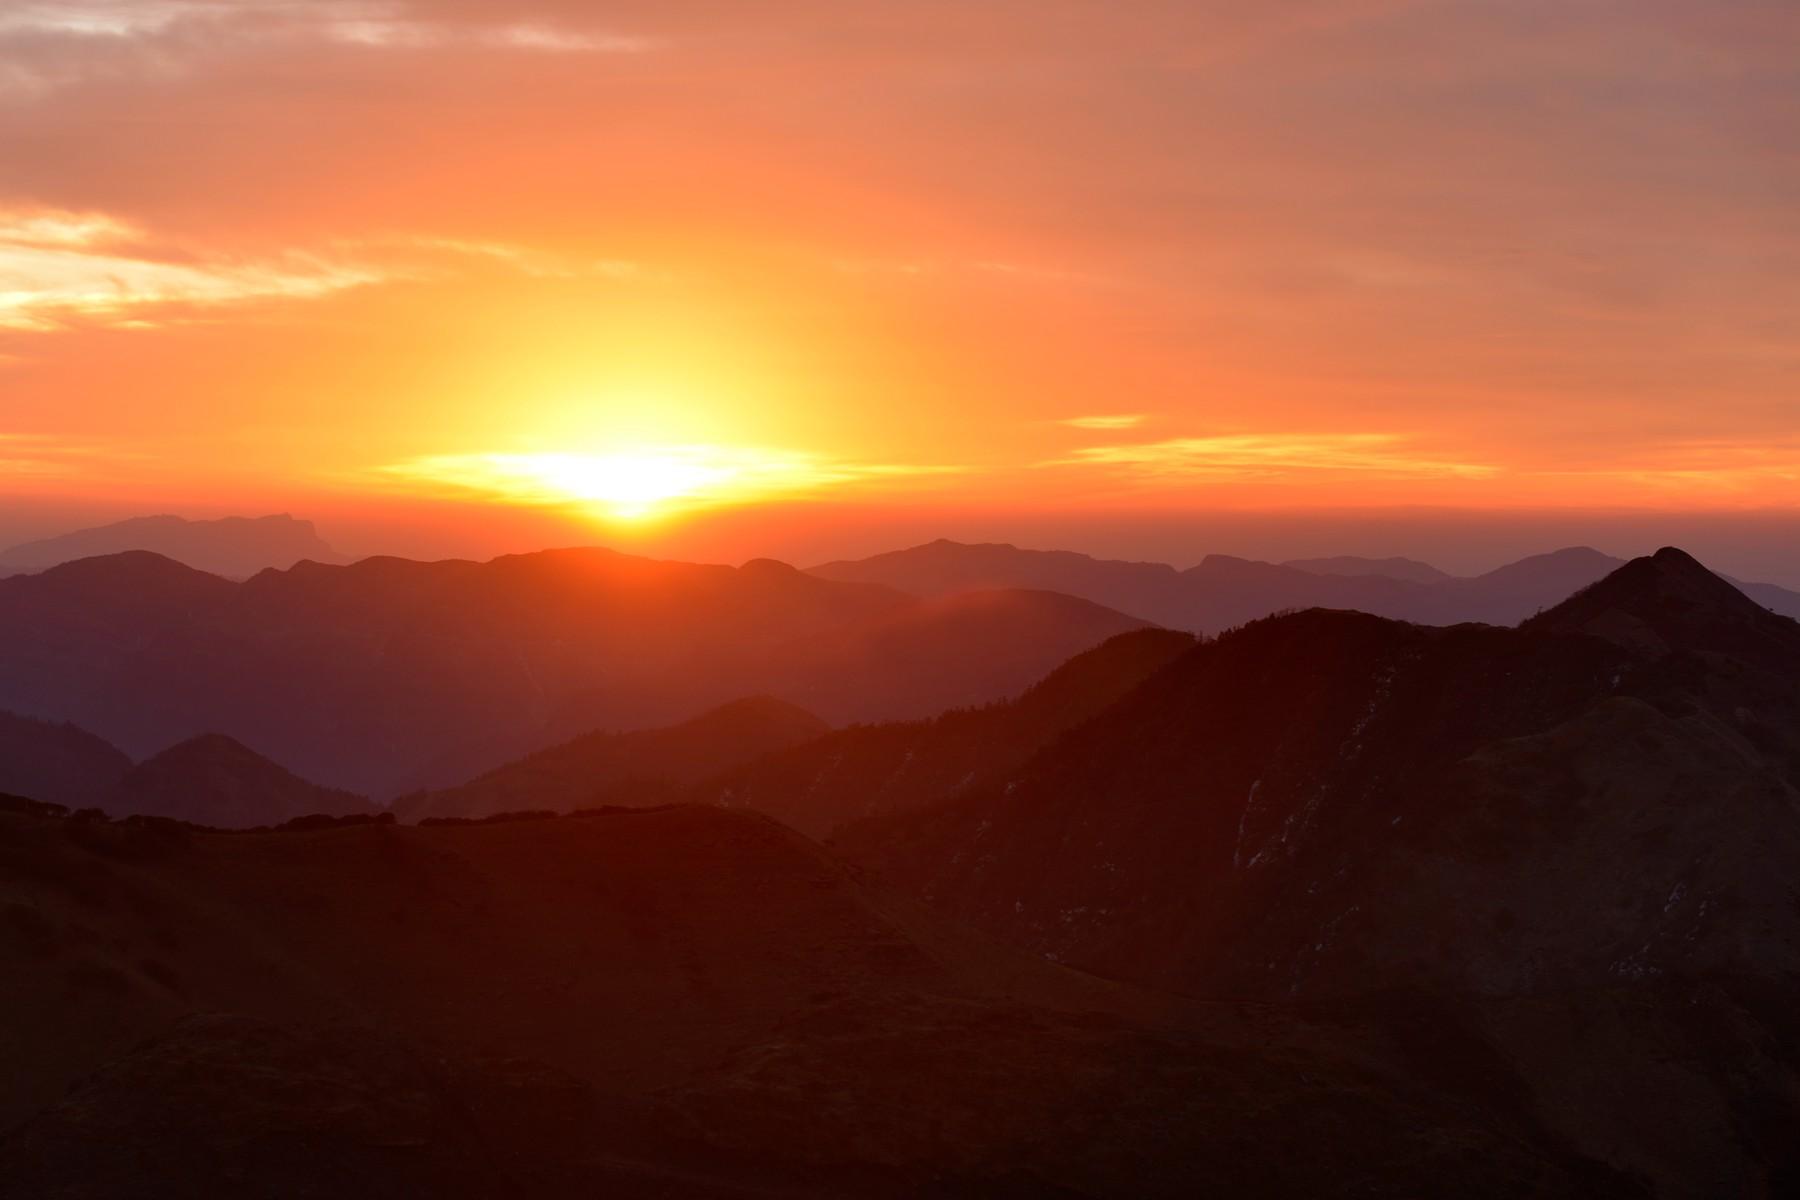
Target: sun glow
[
  {"x": 630, "y": 486},
  {"x": 640, "y": 483}
]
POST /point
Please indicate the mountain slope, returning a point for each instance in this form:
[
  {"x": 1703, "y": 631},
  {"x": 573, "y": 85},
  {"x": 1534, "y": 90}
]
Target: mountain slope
[
  {"x": 1586, "y": 824},
  {"x": 58, "y": 763},
  {"x": 219, "y": 782},
  {"x": 1256, "y": 763},
  {"x": 389, "y": 675},
  {"x": 235, "y": 547},
  {"x": 611, "y": 768},
  {"x": 858, "y": 772},
  {"x": 683, "y": 1002}
]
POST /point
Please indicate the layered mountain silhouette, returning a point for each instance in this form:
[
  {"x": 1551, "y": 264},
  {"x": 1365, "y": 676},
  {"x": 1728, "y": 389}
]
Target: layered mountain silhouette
[
  {"x": 388, "y": 675},
  {"x": 57, "y": 762},
  {"x": 1224, "y": 591},
  {"x": 209, "y": 780},
  {"x": 1575, "y": 838},
  {"x": 218, "y": 781},
  {"x": 235, "y": 547},
  {"x": 1410, "y": 569},
  {"x": 850, "y": 774},
  {"x": 1329, "y": 904},
  {"x": 678, "y": 1002},
  {"x": 647, "y": 766}
]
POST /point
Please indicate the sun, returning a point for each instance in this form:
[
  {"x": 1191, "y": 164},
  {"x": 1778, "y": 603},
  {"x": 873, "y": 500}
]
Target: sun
[
  {"x": 636, "y": 483},
  {"x": 631, "y": 485}
]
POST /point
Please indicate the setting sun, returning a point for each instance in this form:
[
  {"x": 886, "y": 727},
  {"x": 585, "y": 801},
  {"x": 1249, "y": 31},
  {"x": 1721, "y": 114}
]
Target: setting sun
[
  {"x": 641, "y": 482},
  {"x": 628, "y": 485}
]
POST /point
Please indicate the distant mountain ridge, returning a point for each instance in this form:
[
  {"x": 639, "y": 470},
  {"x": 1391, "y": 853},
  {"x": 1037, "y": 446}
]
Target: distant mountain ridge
[
  {"x": 1349, "y": 564},
  {"x": 1224, "y": 590},
  {"x": 235, "y": 547},
  {"x": 387, "y": 675}
]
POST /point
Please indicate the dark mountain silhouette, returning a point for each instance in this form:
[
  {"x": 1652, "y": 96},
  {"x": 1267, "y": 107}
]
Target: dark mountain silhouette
[
  {"x": 57, "y": 762},
  {"x": 389, "y": 675},
  {"x": 1349, "y": 564},
  {"x": 864, "y": 770},
  {"x": 1224, "y": 591},
  {"x": 1510, "y": 593},
  {"x": 648, "y": 765},
  {"x": 217, "y": 781},
  {"x": 681, "y": 1002},
  {"x": 1567, "y": 848},
  {"x": 235, "y": 547},
  {"x": 945, "y": 568}
]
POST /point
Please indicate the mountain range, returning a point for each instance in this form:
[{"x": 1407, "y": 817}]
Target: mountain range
[
  {"x": 1223, "y": 591},
  {"x": 390, "y": 675},
  {"x": 1327, "y": 904},
  {"x": 235, "y": 547},
  {"x": 1572, "y": 841},
  {"x": 209, "y": 779}
]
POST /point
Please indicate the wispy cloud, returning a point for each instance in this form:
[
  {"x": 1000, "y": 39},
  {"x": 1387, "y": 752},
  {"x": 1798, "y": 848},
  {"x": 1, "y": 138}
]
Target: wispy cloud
[
  {"x": 526, "y": 260},
  {"x": 1109, "y": 421},
  {"x": 49, "y": 44},
  {"x": 58, "y": 268},
  {"x": 1273, "y": 455},
  {"x": 642, "y": 481},
  {"x": 27, "y": 458},
  {"x": 356, "y": 22},
  {"x": 386, "y": 26}
]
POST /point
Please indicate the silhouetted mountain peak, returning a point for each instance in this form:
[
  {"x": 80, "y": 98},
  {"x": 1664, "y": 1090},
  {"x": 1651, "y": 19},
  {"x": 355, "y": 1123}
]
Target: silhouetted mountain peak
[
  {"x": 1569, "y": 562},
  {"x": 772, "y": 568},
  {"x": 132, "y": 578},
  {"x": 214, "y": 779},
  {"x": 1663, "y": 601}
]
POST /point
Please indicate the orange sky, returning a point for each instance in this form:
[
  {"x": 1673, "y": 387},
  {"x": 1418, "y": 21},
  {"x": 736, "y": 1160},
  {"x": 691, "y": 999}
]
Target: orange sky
[{"x": 634, "y": 263}]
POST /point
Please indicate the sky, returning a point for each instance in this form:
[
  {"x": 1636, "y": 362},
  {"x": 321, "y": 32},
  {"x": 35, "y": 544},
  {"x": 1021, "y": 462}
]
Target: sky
[{"x": 812, "y": 278}]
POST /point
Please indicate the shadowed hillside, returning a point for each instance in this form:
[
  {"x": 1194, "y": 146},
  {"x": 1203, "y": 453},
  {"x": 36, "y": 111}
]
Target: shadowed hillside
[
  {"x": 57, "y": 762},
  {"x": 217, "y": 781},
  {"x": 868, "y": 769},
  {"x": 612, "y": 768},
  {"x": 1586, "y": 823},
  {"x": 654, "y": 1002}
]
